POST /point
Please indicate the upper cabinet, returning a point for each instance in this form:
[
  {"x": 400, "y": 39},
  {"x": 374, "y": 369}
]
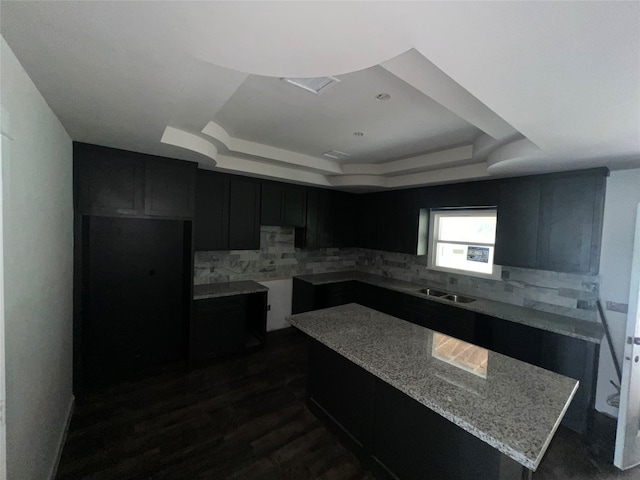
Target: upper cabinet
[
  {"x": 344, "y": 215},
  {"x": 120, "y": 183},
  {"x": 518, "y": 220},
  {"x": 169, "y": 188},
  {"x": 108, "y": 181},
  {"x": 571, "y": 214},
  {"x": 244, "y": 214},
  {"x": 389, "y": 221},
  {"x": 283, "y": 205},
  {"x": 552, "y": 222},
  {"x": 330, "y": 220},
  {"x": 212, "y": 211},
  {"x": 319, "y": 232},
  {"x": 227, "y": 212}
]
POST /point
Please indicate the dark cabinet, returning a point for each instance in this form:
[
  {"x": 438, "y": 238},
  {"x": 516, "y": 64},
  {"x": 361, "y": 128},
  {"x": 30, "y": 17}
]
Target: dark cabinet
[
  {"x": 283, "y": 205},
  {"x": 330, "y": 220},
  {"x": 303, "y": 298},
  {"x": 517, "y": 223},
  {"x": 320, "y": 216},
  {"x": 272, "y": 204},
  {"x": 367, "y": 221},
  {"x": 244, "y": 214},
  {"x": 218, "y": 328},
  {"x": 388, "y": 221},
  {"x": 552, "y": 222},
  {"x": 134, "y": 301},
  {"x": 344, "y": 216},
  {"x": 567, "y": 356},
  {"x": 342, "y": 389},
  {"x": 169, "y": 188},
  {"x": 227, "y": 212},
  {"x": 571, "y": 212},
  {"x": 576, "y": 359},
  {"x": 212, "y": 211},
  {"x": 407, "y": 438},
  {"x": 120, "y": 183},
  {"x": 108, "y": 181},
  {"x": 416, "y": 443},
  {"x": 295, "y": 206},
  {"x": 334, "y": 294},
  {"x": 407, "y": 216},
  {"x": 226, "y": 325}
]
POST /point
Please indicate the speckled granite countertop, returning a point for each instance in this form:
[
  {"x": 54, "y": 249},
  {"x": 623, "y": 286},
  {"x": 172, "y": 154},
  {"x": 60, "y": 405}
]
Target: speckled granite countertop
[
  {"x": 582, "y": 329},
  {"x": 516, "y": 409},
  {"x": 225, "y": 289}
]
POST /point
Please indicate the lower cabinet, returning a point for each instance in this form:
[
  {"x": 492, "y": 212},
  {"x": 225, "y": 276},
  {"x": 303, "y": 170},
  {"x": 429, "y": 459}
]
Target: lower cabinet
[
  {"x": 343, "y": 390},
  {"x": 404, "y": 437},
  {"x": 226, "y": 325}
]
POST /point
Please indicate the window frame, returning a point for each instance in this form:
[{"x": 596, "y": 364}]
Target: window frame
[{"x": 434, "y": 213}]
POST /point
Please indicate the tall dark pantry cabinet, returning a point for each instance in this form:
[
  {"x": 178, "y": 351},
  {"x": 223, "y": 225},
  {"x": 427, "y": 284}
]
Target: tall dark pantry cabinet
[{"x": 133, "y": 263}]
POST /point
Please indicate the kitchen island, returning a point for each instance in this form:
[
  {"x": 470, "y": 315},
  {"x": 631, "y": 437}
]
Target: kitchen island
[{"x": 424, "y": 407}]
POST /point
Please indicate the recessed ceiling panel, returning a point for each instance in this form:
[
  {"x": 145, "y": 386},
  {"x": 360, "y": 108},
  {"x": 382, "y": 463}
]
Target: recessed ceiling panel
[{"x": 269, "y": 111}]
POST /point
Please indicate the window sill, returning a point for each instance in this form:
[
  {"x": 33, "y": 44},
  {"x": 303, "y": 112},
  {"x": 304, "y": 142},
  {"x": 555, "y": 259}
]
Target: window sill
[{"x": 496, "y": 275}]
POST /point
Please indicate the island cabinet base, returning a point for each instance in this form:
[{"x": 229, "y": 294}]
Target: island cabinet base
[{"x": 393, "y": 433}]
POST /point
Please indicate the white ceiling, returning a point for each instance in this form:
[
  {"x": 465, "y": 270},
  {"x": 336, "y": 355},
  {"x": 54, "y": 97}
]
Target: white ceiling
[{"x": 477, "y": 88}]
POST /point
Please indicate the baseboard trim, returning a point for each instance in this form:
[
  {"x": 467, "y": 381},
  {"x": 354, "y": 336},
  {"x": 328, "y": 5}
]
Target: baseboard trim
[{"x": 63, "y": 438}]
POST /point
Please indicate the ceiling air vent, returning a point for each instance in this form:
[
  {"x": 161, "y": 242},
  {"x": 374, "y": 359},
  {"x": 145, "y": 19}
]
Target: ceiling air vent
[
  {"x": 336, "y": 155},
  {"x": 317, "y": 85}
]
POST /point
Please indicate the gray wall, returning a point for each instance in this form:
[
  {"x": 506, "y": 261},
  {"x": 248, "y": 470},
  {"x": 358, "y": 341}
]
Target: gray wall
[{"x": 38, "y": 269}]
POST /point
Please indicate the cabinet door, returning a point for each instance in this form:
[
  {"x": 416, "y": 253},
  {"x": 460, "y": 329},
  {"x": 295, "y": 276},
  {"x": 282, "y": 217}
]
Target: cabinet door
[
  {"x": 334, "y": 294},
  {"x": 108, "y": 181},
  {"x": 133, "y": 300},
  {"x": 244, "y": 214},
  {"x": 343, "y": 390},
  {"x": 219, "y": 327},
  {"x": 367, "y": 221},
  {"x": 212, "y": 211},
  {"x": 295, "y": 206},
  {"x": 169, "y": 188},
  {"x": 387, "y": 221},
  {"x": 343, "y": 211},
  {"x": 319, "y": 230},
  {"x": 271, "y": 207},
  {"x": 571, "y": 223},
  {"x": 576, "y": 359},
  {"x": 407, "y": 216},
  {"x": 416, "y": 443},
  {"x": 517, "y": 224}
]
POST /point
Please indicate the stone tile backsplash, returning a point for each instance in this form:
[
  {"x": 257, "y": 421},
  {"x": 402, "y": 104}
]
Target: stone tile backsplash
[
  {"x": 561, "y": 293},
  {"x": 277, "y": 258}
]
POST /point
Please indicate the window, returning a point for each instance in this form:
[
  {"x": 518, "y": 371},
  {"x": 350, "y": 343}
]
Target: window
[{"x": 462, "y": 241}]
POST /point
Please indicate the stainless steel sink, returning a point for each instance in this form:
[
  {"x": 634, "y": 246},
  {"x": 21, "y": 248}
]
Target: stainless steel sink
[
  {"x": 433, "y": 293},
  {"x": 447, "y": 296},
  {"x": 459, "y": 298}
]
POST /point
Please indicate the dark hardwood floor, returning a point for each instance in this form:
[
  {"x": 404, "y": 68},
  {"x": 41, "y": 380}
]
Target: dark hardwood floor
[{"x": 243, "y": 419}]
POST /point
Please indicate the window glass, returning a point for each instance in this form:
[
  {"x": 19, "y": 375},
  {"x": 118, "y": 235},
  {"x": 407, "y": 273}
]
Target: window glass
[
  {"x": 463, "y": 240},
  {"x": 468, "y": 229}
]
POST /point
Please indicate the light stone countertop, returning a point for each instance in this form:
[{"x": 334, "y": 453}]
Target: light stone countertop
[
  {"x": 571, "y": 327},
  {"x": 516, "y": 409},
  {"x": 226, "y": 289}
]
